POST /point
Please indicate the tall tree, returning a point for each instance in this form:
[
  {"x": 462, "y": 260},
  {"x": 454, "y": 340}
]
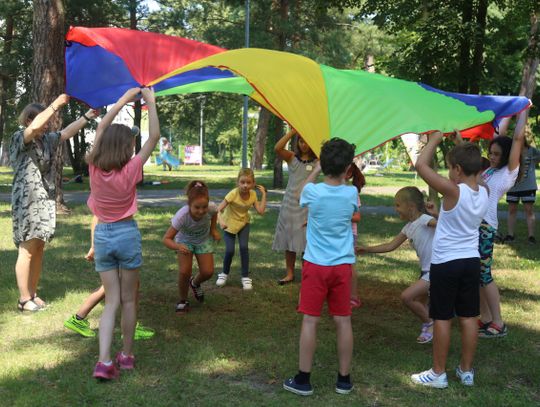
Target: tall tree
[{"x": 48, "y": 72}]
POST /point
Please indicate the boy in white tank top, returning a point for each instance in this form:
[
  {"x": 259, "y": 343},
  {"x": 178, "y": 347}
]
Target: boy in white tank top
[{"x": 455, "y": 261}]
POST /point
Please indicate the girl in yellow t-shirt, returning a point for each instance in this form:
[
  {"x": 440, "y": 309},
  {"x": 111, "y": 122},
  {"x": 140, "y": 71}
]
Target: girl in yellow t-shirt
[{"x": 233, "y": 217}]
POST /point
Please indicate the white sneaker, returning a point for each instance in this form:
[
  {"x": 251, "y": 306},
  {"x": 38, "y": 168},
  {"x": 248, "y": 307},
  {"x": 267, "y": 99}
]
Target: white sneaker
[
  {"x": 221, "y": 279},
  {"x": 247, "y": 284},
  {"x": 430, "y": 379},
  {"x": 467, "y": 378}
]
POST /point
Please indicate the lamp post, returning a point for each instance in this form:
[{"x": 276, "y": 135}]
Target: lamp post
[{"x": 245, "y": 112}]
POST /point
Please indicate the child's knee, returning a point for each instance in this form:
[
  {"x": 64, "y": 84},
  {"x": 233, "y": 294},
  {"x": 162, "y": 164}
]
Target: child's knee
[{"x": 406, "y": 298}]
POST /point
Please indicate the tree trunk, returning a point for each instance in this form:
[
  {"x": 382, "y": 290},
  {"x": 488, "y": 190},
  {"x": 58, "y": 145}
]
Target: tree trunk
[
  {"x": 478, "y": 55},
  {"x": 5, "y": 82},
  {"x": 260, "y": 139},
  {"x": 48, "y": 71},
  {"x": 465, "y": 47},
  {"x": 528, "y": 77}
]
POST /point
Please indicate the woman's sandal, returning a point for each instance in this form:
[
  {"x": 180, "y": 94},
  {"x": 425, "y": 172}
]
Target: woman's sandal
[
  {"x": 426, "y": 336},
  {"x": 28, "y": 305},
  {"x": 39, "y": 302}
]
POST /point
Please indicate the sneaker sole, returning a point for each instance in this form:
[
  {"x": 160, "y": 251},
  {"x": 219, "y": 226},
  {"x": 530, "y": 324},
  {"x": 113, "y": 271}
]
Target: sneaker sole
[
  {"x": 343, "y": 391},
  {"x": 296, "y": 391},
  {"x": 431, "y": 384},
  {"x": 76, "y": 330}
]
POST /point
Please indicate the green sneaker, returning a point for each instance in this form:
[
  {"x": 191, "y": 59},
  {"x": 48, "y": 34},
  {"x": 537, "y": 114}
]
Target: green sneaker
[
  {"x": 142, "y": 332},
  {"x": 81, "y": 326}
]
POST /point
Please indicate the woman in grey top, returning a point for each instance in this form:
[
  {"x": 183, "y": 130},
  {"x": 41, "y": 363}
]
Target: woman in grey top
[
  {"x": 524, "y": 190},
  {"x": 290, "y": 235},
  {"x": 33, "y": 205}
]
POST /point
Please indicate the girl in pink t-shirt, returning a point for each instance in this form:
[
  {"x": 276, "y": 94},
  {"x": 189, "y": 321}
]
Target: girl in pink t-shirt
[
  {"x": 114, "y": 174},
  {"x": 193, "y": 232}
]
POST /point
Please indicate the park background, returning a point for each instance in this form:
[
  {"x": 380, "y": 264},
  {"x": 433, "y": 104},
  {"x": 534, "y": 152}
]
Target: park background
[{"x": 237, "y": 348}]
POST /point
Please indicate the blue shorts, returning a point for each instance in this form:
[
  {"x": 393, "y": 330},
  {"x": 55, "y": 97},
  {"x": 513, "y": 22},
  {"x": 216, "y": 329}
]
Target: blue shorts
[{"x": 117, "y": 246}]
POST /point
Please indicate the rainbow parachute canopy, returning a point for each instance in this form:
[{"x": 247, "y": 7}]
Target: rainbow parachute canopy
[{"x": 319, "y": 101}]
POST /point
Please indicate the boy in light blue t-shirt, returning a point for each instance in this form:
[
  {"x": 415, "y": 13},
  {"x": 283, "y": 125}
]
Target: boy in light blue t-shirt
[{"x": 326, "y": 273}]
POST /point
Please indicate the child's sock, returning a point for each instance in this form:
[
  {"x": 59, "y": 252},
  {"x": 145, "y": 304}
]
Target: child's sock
[
  {"x": 109, "y": 363},
  {"x": 302, "y": 377},
  {"x": 78, "y": 318},
  {"x": 343, "y": 379}
]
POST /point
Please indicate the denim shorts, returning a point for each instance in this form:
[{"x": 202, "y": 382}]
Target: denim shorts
[{"x": 117, "y": 246}]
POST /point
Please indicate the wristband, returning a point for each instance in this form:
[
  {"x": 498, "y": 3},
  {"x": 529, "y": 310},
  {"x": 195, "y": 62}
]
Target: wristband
[
  {"x": 86, "y": 117},
  {"x": 53, "y": 108}
]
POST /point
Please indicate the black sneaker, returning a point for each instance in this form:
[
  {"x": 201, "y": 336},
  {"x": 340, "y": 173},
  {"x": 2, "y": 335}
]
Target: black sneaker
[
  {"x": 344, "y": 387},
  {"x": 532, "y": 240},
  {"x": 508, "y": 239},
  {"x": 197, "y": 290},
  {"x": 300, "y": 389}
]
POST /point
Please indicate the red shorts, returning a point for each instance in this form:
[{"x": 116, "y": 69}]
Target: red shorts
[{"x": 331, "y": 283}]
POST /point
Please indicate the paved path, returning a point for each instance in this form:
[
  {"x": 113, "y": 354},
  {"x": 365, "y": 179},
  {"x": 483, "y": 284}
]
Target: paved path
[{"x": 171, "y": 197}]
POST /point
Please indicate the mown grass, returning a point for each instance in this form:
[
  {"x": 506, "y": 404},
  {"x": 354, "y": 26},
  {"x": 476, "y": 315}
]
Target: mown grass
[{"x": 238, "y": 347}]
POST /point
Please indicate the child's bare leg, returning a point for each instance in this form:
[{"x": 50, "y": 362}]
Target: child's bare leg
[
  {"x": 493, "y": 302},
  {"x": 512, "y": 216},
  {"x": 344, "y": 343},
  {"x": 111, "y": 281},
  {"x": 128, "y": 289},
  {"x": 469, "y": 339},
  {"x": 414, "y": 298},
  {"x": 185, "y": 264},
  {"x": 308, "y": 342},
  {"x": 485, "y": 314},
  {"x": 529, "y": 215},
  {"x": 91, "y": 301},
  {"x": 206, "y": 268},
  {"x": 441, "y": 344}
]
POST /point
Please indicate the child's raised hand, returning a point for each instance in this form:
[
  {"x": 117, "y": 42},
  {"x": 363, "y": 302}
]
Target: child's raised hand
[
  {"x": 261, "y": 188},
  {"x": 92, "y": 113},
  {"x": 183, "y": 249},
  {"x": 148, "y": 95},
  {"x": 131, "y": 95},
  {"x": 60, "y": 101},
  {"x": 90, "y": 255},
  {"x": 436, "y": 136},
  {"x": 455, "y": 137}
]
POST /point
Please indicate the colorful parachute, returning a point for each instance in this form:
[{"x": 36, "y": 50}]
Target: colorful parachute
[{"x": 320, "y": 102}]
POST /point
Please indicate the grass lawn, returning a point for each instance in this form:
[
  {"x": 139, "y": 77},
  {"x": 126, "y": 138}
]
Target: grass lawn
[{"x": 237, "y": 348}]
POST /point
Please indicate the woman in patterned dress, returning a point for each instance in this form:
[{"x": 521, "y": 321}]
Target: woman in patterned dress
[
  {"x": 290, "y": 235},
  {"x": 33, "y": 206}
]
